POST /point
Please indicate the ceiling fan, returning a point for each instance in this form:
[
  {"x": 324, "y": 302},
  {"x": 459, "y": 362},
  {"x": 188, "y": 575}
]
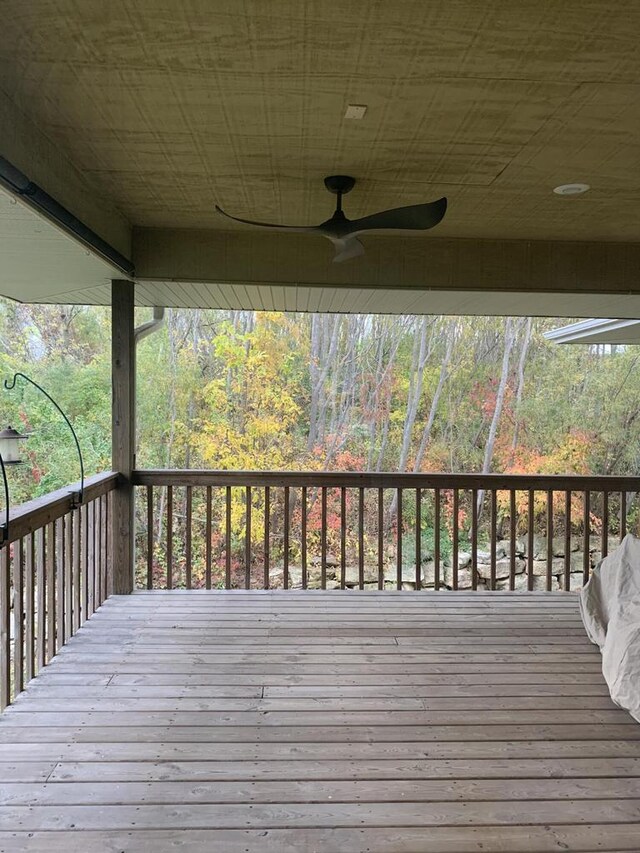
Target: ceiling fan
[{"x": 344, "y": 232}]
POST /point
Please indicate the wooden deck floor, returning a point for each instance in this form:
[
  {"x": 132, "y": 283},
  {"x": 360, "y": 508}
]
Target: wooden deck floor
[{"x": 311, "y": 721}]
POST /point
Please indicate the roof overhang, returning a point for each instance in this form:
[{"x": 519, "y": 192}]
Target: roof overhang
[
  {"x": 597, "y": 331},
  {"x": 42, "y": 262}
]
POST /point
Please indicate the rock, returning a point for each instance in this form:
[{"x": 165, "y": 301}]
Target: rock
[
  {"x": 559, "y": 545},
  {"x": 484, "y": 556},
  {"x": 464, "y": 559},
  {"x": 521, "y": 583},
  {"x": 503, "y": 549},
  {"x": 576, "y": 581},
  {"x": 575, "y": 564},
  {"x": 464, "y": 578},
  {"x": 596, "y": 555},
  {"x": 295, "y": 577},
  {"x": 539, "y": 568},
  {"x": 408, "y": 574},
  {"x": 595, "y": 544},
  {"x": 503, "y": 569},
  {"x": 314, "y": 578},
  {"x": 540, "y": 546},
  {"x": 352, "y": 575},
  {"x": 330, "y": 561},
  {"x": 429, "y": 573}
]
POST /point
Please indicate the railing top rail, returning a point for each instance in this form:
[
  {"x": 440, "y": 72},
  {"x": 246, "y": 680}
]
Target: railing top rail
[
  {"x": 33, "y": 515},
  {"x": 356, "y": 479}
]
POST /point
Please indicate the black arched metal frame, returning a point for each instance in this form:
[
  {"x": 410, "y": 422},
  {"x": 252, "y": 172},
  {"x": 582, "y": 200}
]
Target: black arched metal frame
[
  {"x": 78, "y": 497},
  {"x": 4, "y": 528}
]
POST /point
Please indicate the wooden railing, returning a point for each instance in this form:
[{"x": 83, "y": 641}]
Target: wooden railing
[
  {"x": 359, "y": 530},
  {"x": 54, "y": 573}
]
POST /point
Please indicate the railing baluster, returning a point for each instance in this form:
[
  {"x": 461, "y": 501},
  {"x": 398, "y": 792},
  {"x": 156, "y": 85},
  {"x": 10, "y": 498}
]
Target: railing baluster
[
  {"x": 85, "y": 564},
  {"x": 97, "y": 533},
  {"x": 188, "y": 555},
  {"x": 208, "y": 534},
  {"x": 513, "y": 530},
  {"x": 106, "y": 545},
  {"x": 29, "y": 610},
  {"x": 77, "y": 566},
  {"x": 285, "y": 538},
  {"x": 549, "y": 538},
  {"x": 41, "y": 605},
  {"x": 567, "y": 541},
  {"x": 150, "y": 537},
  {"x": 418, "y": 540},
  {"x": 68, "y": 576},
  {"x": 303, "y": 534},
  {"x": 586, "y": 538},
  {"x": 91, "y": 565},
  {"x": 605, "y": 523},
  {"x": 380, "y": 538},
  {"x": 267, "y": 537},
  {"x": 18, "y": 617},
  {"x": 51, "y": 592},
  {"x": 456, "y": 534},
  {"x": 343, "y": 537},
  {"x": 323, "y": 538},
  {"x": 5, "y": 622},
  {"x": 227, "y": 536},
  {"x": 247, "y": 533},
  {"x": 530, "y": 521},
  {"x": 399, "y": 541},
  {"x": 360, "y": 538},
  {"x": 169, "y": 537},
  {"x": 474, "y": 539},
  {"x": 493, "y": 526},
  {"x": 436, "y": 539},
  {"x": 59, "y": 608},
  {"x": 623, "y": 514}
]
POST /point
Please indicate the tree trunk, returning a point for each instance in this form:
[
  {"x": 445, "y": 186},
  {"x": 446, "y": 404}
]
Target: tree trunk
[
  {"x": 509, "y": 338},
  {"x": 444, "y": 372},
  {"x": 521, "y": 365}
]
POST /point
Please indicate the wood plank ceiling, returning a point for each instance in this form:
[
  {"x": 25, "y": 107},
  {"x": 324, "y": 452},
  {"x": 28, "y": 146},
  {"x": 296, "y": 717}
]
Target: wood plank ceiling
[{"x": 168, "y": 108}]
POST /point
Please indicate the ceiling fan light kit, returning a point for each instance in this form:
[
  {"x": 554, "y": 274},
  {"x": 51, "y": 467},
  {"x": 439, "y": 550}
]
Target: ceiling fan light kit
[{"x": 344, "y": 232}]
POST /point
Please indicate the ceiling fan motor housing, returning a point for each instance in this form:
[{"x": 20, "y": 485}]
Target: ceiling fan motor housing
[{"x": 339, "y": 184}]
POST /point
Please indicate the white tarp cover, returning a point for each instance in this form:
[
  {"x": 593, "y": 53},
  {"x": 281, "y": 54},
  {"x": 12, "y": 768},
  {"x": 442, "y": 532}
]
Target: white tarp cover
[{"x": 610, "y": 607}]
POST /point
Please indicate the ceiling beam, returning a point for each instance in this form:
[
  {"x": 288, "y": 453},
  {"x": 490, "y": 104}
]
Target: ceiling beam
[{"x": 391, "y": 262}]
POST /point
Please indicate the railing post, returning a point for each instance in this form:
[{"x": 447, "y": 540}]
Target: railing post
[{"x": 123, "y": 366}]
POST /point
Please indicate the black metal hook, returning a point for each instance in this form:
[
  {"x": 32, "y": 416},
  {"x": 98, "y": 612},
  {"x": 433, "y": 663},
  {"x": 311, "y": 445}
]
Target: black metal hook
[{"x": 77, "y": 497}]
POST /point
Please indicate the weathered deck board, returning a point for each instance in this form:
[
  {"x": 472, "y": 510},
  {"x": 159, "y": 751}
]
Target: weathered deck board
[{"x": 337, "y": 721}]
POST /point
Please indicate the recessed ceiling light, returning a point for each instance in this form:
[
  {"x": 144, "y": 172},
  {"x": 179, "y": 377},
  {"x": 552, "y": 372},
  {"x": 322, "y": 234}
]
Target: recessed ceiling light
[
  {"x": 571, "y": 189},
  {"x": 355, "y": 111}
]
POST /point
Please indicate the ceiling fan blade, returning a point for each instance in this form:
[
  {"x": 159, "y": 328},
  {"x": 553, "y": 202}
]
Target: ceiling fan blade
[
  {"x": 415, "y": 217},
  {"x": 299, "y": 228},
  {"x": 346, "y": 249}
]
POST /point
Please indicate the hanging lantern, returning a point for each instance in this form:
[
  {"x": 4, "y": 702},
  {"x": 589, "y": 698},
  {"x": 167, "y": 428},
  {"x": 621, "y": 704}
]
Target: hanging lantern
[{"x": 9, "y": 447}]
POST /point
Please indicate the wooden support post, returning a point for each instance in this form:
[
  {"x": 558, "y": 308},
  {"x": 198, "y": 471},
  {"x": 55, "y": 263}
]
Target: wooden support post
[{"x": 123, "y": 367}]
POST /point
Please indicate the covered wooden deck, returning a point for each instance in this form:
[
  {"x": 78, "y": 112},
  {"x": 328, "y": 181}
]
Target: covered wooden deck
[{"x": 322, "y": 721}]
